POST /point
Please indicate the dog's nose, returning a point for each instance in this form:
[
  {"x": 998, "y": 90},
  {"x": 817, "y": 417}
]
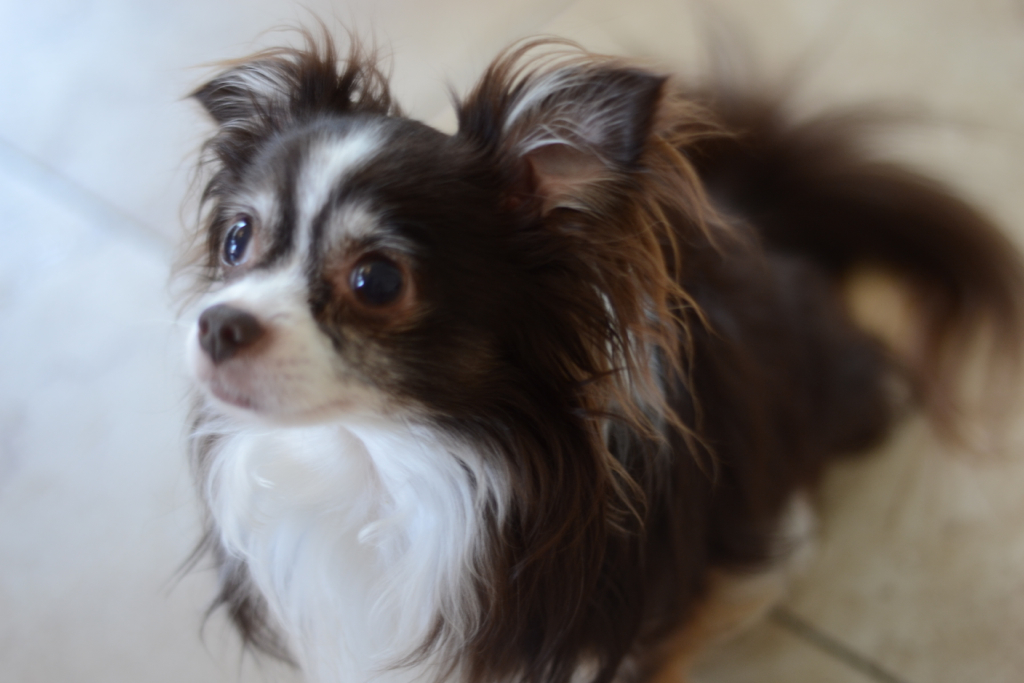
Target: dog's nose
[{"x": 224, "y": 331}]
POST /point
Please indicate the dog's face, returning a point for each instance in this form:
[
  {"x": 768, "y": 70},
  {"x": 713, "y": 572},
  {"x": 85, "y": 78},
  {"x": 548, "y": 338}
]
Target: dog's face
[
  {"x": 344, "y": 277},
  {"x": 360, "y": 261}
]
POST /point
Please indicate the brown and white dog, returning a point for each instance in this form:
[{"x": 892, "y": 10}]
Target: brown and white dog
[{"x": 526, "y": 402}]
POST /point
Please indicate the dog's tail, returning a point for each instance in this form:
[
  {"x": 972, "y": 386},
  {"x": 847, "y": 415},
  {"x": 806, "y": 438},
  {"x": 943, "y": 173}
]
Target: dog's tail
[{"x": 812, "y": 189}]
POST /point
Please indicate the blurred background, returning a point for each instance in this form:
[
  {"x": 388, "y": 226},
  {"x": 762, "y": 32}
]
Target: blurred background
[{"x": 920, "y": 570}]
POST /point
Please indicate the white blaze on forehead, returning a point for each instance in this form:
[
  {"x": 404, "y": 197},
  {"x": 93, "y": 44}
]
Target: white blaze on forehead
[
  {"x": 330, "y": 159},
  {"x": 354, "y": 222}
]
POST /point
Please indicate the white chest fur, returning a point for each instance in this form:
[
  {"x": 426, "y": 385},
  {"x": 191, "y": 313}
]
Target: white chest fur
[{"x": 360, "y": 536}]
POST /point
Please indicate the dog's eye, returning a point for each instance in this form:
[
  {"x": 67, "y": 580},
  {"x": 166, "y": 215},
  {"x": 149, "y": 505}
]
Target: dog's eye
[
  {"x": 236, "y": 241},
  {"x": 377, "y": 281}
]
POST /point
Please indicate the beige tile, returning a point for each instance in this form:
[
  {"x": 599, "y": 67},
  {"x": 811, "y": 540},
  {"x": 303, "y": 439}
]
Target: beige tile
[
  {"x": 921, "y": 563},
  {"x": 770, "y": 654}
]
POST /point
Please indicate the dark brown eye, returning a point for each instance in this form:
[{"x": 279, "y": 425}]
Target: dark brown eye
[
  {"x": 377, "y": 281},
  {"x": 236, "y": 241}
]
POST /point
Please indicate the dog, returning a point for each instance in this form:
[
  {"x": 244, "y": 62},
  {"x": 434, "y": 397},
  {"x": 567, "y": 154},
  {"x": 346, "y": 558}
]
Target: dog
[{"x": 547, "y": 399}]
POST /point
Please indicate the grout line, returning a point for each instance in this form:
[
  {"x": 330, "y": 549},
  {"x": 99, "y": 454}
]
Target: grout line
[
  {"x": 97, "y": 208},
  {"x": 830, "y": 645}
]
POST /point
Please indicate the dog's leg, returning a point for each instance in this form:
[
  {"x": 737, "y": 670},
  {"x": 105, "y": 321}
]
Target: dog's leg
[
  {"x": 734, "y": 601},
  {"x": 733, "y": 604}
]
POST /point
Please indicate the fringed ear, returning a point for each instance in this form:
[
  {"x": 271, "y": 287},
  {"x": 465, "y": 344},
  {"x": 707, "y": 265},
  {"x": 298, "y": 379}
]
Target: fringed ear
[
  {"x": 270, "y": 90},
  {"x": 258, "y": 88},
  {"x": 574, "y": 123}
]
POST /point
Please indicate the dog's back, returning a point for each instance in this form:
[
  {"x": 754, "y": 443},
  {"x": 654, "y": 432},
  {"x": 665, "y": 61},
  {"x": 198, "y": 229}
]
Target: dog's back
[{"x": 780, "y": 377}]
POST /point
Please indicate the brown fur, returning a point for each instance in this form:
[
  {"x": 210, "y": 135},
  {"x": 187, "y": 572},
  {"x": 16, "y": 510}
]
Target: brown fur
[{"x": 647, "y": 328}]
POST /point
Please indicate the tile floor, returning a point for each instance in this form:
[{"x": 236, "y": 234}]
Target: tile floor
[{"x": 921, "y": 565}]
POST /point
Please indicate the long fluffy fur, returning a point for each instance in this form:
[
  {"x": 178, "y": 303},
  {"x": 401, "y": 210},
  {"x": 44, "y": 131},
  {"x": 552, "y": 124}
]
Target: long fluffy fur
[{"x": 625, "y": 355}]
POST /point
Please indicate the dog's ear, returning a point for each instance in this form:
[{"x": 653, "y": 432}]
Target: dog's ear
[
  {"x": 254, "y": 98},
  {"x": 254, "y": 90},
  {"x": 572, "y": 131},
  {"x": 278, "y": 86}
]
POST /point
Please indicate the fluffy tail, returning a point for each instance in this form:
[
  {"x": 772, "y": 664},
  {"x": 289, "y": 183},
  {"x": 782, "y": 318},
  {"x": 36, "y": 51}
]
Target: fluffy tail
[{"x": 812, "y": 189}]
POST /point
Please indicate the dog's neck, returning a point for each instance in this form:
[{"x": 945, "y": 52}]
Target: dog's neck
[{"x": 364, "y": 537}]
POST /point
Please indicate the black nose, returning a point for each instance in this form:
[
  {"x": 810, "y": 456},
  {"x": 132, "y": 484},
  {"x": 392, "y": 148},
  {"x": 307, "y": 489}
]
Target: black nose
[{"x": 224, "y": 331}]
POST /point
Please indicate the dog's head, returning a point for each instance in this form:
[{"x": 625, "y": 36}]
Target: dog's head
[{"x": 356, "y": 260}]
